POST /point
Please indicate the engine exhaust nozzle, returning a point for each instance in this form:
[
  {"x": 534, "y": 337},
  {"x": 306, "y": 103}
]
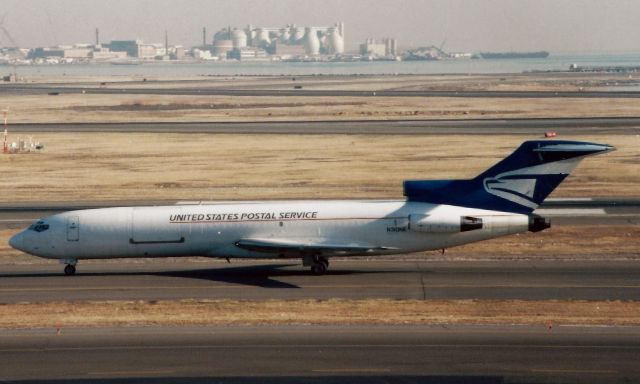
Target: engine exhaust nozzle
[{"x": 538, "y": 223}]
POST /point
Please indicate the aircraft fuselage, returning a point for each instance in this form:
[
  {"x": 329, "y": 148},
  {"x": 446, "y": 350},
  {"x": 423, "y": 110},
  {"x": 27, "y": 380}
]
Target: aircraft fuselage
[{"x": 384, "y": 227}]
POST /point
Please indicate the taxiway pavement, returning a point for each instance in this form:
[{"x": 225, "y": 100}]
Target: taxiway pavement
[
  {"x": 533, "y": 127},
  {"x": 177, "y": 279},
  {"x": 322, "y": 354},
  {"x": 292, "y": 90}
]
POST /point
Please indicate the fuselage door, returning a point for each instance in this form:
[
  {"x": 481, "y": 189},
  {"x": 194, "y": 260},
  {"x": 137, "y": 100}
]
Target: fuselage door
[{"x": 73, "y": 228}]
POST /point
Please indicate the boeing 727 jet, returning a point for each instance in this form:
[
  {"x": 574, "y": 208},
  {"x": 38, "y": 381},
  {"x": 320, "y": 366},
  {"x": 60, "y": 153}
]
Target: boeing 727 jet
[{"x": 435, "y": 214}]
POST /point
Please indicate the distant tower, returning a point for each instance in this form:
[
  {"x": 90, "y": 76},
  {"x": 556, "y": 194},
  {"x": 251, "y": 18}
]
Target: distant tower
[
  {"x": 166, "y": 42},
  {"x": 97, "y": 37},
  {"x": 204, "y": 36}
]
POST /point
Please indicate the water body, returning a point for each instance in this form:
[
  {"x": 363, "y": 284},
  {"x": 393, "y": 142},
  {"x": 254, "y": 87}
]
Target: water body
[{"x": 461, "y": 66}]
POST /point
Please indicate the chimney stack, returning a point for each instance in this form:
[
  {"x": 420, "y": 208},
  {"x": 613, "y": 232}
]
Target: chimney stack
[{"x": 166, "y": 42}]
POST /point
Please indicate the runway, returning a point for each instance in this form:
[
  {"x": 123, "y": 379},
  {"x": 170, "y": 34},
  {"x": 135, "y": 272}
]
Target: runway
[
  {"x": 529, "y": 127},
  {"x": 322, "y": 354},
  {"x": 173, "y": 279},
  {"x": 289, "y": 90}
]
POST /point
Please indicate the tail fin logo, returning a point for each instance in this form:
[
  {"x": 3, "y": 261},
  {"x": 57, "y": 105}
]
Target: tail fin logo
[{"x": 513, "y": 186}]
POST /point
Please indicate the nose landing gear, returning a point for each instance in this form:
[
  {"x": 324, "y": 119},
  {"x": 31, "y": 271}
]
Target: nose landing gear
[{"x": 70, "y": 268}]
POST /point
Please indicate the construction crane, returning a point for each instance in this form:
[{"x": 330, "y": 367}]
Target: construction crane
[
  {"x": 5, "y": 32},
  {"x": 8, "y": 36}
]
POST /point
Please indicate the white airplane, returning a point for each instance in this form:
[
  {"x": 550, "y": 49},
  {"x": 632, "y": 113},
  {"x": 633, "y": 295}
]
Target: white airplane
[{"x": 436, "y": 214}]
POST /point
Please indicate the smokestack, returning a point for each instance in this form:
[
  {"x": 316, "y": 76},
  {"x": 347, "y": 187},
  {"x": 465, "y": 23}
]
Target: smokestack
[
  {"x": 97, "y": 36},
  {"x": 166, "y": 42},
  {"x": 204, "y": 36}
]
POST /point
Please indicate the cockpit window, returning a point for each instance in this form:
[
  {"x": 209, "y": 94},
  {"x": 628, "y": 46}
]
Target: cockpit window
[{"x": 39, "y": 226}]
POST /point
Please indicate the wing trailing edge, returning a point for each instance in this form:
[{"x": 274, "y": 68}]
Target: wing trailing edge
[{"x": 301, "y": 246}]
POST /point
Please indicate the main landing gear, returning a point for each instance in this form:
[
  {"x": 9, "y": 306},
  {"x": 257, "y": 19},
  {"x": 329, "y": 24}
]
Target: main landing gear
[
  {"x": 319, "y": 265},
  {"x": 70, "y": 268}
]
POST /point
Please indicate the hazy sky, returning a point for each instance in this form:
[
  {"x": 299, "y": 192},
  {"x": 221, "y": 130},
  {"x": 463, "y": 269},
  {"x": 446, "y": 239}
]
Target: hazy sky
[{"x": 467, "y": 25}]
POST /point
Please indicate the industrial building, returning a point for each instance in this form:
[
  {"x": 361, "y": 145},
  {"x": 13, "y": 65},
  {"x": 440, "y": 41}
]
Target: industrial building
[
  {"x": 387, "y": 48},
  {"x": 78, "y": 52},
  {"x": 290, "y": 43},
  {"x": 134, "y": 48},
  {"x": 249, "y": 54},
  {"x": 287, "y": 41},
  {"x": 116, "y": 50},
  {"x": 101, "y": 53},
  {"x": 73, "y": 52}
]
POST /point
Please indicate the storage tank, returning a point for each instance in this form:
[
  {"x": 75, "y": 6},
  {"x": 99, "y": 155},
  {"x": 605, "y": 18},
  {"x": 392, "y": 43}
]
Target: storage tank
[
  {"x": 324, "y": 42},
  {"x": 222, "y": 34},
  {"x": 262, "y": 37},
  {"x": 335, "y": 42},
  {"x": 298, "y": 34},
  {"x": 285, "y": 35},
  {"x": 251, "y": 34},
  {"x": 239, "y": 38},
  {"x": 312, "y": 43},
  {"x": 221, "y": 47}
]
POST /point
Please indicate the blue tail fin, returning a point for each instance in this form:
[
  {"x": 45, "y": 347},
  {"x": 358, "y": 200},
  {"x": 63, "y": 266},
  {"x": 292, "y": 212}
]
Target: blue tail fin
[{"x": 519, "y": 183}]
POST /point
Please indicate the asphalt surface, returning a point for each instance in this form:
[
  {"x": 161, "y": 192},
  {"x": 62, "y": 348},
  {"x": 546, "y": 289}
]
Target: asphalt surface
[
  {"x": 177, "y": 279},
  {"x": 322, "y": 354},
  {"x": 291, "y": 91},
  {"x": 529, "y": 127}
]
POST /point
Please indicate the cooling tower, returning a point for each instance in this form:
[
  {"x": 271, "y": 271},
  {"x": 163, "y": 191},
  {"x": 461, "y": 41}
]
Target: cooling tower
[
  {"x": 335, "y": 42},
  {"x": 312, "y": 43}
]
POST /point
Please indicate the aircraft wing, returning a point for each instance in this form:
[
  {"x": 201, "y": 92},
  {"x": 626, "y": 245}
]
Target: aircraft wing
[{"x": 301, "y": 246}]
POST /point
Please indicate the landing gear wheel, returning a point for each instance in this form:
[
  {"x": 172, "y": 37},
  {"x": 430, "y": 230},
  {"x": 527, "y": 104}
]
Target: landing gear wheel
[
  {"x": 319, "y": 269},
  {"x": 320, "y": 266},
  {"x": 70, "y": 270}
]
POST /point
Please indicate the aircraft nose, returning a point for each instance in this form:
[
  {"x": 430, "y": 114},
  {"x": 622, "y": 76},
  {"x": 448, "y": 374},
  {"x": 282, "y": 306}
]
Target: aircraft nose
[{"x": 17, "y": 241}]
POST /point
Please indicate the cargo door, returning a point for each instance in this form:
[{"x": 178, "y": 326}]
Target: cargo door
[{"x": 73, "y": 228}]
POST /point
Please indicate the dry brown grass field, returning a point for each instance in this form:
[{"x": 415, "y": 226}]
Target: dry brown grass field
[
  {"x": 116, "y": 166},
  {"x": 86, "y": 108},
  {"x": 335, "y": 311}
]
